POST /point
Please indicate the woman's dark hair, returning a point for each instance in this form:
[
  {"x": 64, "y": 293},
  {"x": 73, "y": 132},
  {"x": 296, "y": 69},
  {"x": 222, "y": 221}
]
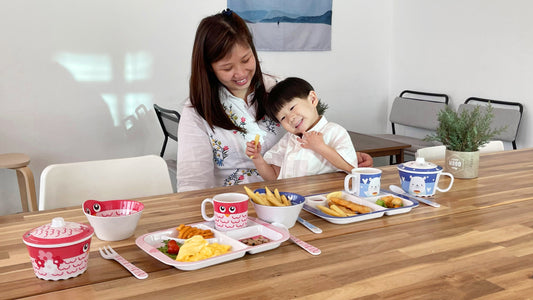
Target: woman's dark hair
[
  {"x": 285, "y": 91},
  {"x": 215, "y": 38}
]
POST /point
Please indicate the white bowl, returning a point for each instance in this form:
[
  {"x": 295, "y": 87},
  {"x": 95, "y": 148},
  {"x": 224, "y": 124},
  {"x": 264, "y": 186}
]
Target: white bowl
[
  {"x": 285, "y": 215},
  {"x": 113, "y": 220}
]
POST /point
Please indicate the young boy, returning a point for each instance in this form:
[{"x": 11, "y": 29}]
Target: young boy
[{"x": 312, "y": 145}]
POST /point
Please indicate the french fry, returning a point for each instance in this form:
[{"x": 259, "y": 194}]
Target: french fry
[
  {"x": 328, "y": 211},
  {"x": 276, "y": 193},
  {"x": 256, "y": 143},
  {"x": 338, "y": 210},
  {"x": 268, "y": 198},
  {"x": 271, "y": 198},
  {"x": 262, "y": 198},
  {"x": 255, "y": 198},
  {"x": 285, "y": 200}
]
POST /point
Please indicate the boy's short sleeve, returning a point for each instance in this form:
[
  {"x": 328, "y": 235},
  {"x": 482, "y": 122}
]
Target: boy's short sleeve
[{"x": 276, "y": 154}]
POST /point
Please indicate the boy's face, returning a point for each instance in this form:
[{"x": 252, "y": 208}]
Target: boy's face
[{"x": 299, "y": 115}]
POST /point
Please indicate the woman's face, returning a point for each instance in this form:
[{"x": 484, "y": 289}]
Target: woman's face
[{"x": 235, "y": 71}]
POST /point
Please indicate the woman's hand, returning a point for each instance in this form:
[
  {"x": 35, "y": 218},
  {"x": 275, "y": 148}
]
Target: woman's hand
[{"x": 364, "y": 160}]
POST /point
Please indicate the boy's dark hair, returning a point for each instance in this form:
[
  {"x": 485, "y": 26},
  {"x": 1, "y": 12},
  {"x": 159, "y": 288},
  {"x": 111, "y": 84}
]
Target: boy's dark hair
[{"x": 286, "y": 90}]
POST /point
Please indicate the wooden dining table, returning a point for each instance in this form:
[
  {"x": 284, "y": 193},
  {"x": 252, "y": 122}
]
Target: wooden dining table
[
  {"x": 377, "y": 146},
  {"x": 477, "y": 244}
]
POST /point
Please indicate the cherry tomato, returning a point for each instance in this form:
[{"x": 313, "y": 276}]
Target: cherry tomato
[{"x": 173, "y": 247}]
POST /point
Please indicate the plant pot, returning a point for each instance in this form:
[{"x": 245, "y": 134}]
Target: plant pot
[{"x": 462, "y": 164}]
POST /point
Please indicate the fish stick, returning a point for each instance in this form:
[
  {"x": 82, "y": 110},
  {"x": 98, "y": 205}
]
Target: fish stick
[{"x": 353, "y": 206}]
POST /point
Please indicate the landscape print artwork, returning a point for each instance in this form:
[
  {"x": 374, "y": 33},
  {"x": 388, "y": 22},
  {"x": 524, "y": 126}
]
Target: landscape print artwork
[{"x": 282, "y": 25}]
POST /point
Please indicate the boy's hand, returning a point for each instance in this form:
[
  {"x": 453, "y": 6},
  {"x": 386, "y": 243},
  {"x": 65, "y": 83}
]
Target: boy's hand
[
  {"x": 312, "y": 140},
  {"x": 253, "y": 150}
]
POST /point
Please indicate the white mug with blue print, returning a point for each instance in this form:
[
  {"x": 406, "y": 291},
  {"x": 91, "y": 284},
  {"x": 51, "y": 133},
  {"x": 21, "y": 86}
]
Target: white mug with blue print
[{"x": 363, "y": 182}]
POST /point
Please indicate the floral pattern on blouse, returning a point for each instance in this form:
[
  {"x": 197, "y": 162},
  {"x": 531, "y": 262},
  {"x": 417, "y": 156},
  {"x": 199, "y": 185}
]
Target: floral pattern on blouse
[
  {"x": 238, "y": 121},
  {"x": 271, "y": 125},
  {"x": 220, "y": 152},
  {"x": 239, "y": 175}
]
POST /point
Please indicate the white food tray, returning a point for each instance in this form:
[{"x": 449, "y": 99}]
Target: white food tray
[
  {"x": 151, "y": 241},
  {"x": 377, "y": 210}
]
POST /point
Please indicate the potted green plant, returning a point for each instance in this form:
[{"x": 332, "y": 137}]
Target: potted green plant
[{"x": 463, "y": 133}]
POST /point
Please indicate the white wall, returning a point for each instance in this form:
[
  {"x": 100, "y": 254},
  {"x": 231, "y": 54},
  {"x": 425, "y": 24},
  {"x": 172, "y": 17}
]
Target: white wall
[
  {"x": 78, "y": 80},
  {"x": 466, "y": 48}
]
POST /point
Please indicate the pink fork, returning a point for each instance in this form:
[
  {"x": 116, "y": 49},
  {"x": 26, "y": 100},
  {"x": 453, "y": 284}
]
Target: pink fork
[{"x": 109, "y": 253}]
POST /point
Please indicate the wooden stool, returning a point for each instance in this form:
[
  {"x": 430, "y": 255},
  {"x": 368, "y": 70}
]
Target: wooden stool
[{"x": 19, "y": 162}]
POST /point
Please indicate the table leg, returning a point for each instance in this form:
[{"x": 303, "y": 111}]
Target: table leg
[
  {"x": 27, "y": 189},
  {"x": 400, "y": 157}
]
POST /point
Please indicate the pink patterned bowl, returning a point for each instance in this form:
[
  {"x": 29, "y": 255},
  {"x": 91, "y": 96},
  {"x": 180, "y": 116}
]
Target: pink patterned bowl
[
  {"x": 113, "y": 220},
  {"x": 59, "y": 250}
]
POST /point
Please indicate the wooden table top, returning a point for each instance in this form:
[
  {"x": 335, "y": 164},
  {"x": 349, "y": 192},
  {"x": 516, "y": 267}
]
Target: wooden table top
[
  {"x": 479, "y": 243},
  {"x": 371, "y": 144}
]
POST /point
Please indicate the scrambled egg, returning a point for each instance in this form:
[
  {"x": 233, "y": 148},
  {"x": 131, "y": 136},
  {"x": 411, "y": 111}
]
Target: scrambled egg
[{"x": 197, "y": 248}]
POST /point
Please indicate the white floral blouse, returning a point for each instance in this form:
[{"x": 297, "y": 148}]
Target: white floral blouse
[{"x": 212, "y": 158}]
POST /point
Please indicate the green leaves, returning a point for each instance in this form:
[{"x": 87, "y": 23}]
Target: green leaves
[{"x": 465, "y": 131}]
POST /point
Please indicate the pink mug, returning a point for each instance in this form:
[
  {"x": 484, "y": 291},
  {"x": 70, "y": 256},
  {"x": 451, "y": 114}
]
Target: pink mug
[{"x": 230, "y": 211}]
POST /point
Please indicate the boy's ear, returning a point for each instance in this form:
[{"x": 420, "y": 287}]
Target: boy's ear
[{"x": 313, "y": 98}]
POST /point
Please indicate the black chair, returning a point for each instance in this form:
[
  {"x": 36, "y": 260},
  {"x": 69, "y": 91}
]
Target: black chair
[
  {"x": 506, "y": 114},
  {"x": 169, "y": 120}
]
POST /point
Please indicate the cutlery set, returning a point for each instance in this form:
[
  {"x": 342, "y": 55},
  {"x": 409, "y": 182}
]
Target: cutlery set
[{"x": 109, "y": 253}]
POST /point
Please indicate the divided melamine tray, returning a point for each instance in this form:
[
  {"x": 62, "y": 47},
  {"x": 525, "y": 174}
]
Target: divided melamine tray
[
  {"x": 377, "y": 210},
  {"x": 151, "y": 241}
]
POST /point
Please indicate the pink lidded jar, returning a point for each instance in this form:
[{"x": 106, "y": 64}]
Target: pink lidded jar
[{"x": 59, "y": 250}]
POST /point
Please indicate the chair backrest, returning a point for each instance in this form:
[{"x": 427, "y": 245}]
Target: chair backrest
[
  {"x": 169, "y": 121},
  {"x": 492, "y": 146},
  {"x": 432, "y": 153},
  {"x": 70, "y": 184},
  {"x": 417, "y": 109},
  {"x": 505, "y": 114}
]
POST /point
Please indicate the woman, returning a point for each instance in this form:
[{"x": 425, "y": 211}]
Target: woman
[{"x": 224, "y": 109}]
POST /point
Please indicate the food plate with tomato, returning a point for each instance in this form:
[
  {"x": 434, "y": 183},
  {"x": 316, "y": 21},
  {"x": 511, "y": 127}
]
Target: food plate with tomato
[{"x": 257, "y": 237}]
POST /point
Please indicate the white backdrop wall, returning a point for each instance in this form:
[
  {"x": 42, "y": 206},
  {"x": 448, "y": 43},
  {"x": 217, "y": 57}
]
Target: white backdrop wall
[
  {"x": 466, "y": 48},
  {"x": 78, "y": 79}
]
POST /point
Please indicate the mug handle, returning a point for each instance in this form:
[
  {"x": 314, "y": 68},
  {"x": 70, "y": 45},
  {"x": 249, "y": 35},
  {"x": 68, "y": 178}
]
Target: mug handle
[
  {"x": 347, "y": 183},
  {"x": 204, "y": 215},
  {"x": 449, "y": 186}
]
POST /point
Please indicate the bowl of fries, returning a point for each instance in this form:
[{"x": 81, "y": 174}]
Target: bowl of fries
[{"x": 275, "y": 206}]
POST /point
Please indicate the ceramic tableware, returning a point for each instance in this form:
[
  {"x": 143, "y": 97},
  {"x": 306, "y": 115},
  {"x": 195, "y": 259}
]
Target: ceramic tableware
[
  {"x": 230, "y": 211},
  {"x": 60, "y": 249},
  {"x": 421, "y": 178},
  {"x": 363, "y": 182},
  {"x": 286, "y": 215},
  {"x": 113, "y": 220}
]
